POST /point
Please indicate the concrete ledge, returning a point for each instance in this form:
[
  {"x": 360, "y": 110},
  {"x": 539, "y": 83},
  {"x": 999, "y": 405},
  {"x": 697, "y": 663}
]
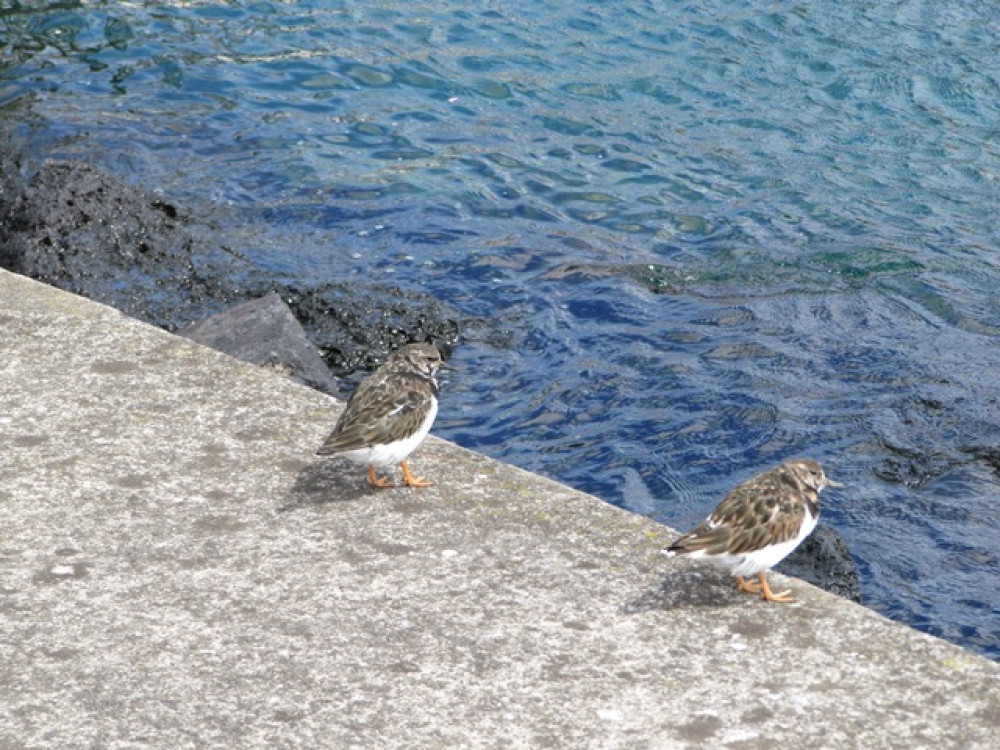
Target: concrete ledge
[{"x": 178, "y": 570}]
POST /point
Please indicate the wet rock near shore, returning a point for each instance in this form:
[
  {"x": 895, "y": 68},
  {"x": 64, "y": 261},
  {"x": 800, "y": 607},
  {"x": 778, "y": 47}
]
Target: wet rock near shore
[
  {"x": 824, "y": 560},
  {"x": 84, "y": 230},
  {"x": 81, "y": 229},
  {"x": 356, "y": 329}
]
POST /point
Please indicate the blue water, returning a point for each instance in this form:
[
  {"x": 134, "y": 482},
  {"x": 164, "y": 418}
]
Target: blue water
[{"x": 690, "y": 239}]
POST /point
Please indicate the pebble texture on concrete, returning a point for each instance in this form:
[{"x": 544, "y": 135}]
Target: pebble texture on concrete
[{"x": 177, "y": 569}]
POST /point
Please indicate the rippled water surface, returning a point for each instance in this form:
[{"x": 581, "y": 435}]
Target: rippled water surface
[{"x": 689, "y": 240}]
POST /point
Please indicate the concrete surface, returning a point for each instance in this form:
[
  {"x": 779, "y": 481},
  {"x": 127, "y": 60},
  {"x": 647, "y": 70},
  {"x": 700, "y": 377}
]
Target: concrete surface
[{"x": 177, "y": 569}]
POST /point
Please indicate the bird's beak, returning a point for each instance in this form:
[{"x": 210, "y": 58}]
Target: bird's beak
[
  {"x": 446, "y": 366},
  {"x": 831, "y": 483}
]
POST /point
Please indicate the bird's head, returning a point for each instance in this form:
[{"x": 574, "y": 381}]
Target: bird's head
[
  {"x": 423, "y": 359},
  {"x": 810, "y": 474}
]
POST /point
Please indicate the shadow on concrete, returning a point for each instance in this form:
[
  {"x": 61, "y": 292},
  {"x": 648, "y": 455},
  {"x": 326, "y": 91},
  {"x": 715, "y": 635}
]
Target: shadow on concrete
[
  {"x": 686, "y": 588},
  {"x": 328, "y": 481}
]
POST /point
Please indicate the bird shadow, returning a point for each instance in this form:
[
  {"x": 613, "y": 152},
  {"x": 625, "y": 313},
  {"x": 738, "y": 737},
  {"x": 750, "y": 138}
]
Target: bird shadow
[
  {"x": 327, "y": 482},
  {"x": 691, "y": 587}
]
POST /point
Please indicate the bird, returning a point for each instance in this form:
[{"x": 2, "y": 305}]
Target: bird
[
  {"x": 758, "y": 524},
  {"x": 390, "y": 414}
]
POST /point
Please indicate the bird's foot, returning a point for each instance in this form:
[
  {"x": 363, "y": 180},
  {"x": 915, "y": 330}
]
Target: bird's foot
[
  {"x": 409, "y": 480},
  {"x": 379, "y": 483},
  {"x": 784, "y": 597}
]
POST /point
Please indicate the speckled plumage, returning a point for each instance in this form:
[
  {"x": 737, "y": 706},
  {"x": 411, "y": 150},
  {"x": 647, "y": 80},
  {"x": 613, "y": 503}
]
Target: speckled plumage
[
  {"x": 759, "y": 523},
  {"x": 390, "y": 413}
]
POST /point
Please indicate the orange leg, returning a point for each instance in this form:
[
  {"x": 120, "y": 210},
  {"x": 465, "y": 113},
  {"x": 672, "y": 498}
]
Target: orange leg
[
  {"x": 409, "y": 479},
  {"x": 783, "y": 598},
  {"x": 376, "y": 481},
  {"x": 748, "y": 586}
]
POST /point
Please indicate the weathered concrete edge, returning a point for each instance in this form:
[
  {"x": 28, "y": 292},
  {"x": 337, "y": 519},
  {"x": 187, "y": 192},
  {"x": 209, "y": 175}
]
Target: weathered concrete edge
[{"x": 619, "y": 548}]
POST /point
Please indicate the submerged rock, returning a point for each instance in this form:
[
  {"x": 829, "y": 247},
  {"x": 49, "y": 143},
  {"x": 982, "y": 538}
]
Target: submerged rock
[
  {"x": 824, "y": 561},
  {"x": 913, "y": 467},
  {"x": 988, "y": 455}
]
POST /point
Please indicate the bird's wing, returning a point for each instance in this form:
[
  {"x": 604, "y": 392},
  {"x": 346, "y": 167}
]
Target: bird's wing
[
  {"x": 377, "y": 415},
  {"x": 759, "y": 512}
]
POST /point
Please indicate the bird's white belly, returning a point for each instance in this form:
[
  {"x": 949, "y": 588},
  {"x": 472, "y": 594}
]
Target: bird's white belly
[
  {"x": 396, "y": 452},
  {"x": 752, "y": 563}
]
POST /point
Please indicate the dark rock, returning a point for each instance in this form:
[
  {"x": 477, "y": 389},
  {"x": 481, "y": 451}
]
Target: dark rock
[
  {"x": 84, "y": 230},
  {"x": 357, "y": 326},
  {"x": 824, "y": 560},
  {"x": 81, "y": 229},
  {"x": 264, "y": 331}
]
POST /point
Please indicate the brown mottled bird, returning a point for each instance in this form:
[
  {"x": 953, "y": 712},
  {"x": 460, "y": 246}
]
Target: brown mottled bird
[
  {"x": 758, "y": 524},
  {"x": 390, "y": 414}
]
